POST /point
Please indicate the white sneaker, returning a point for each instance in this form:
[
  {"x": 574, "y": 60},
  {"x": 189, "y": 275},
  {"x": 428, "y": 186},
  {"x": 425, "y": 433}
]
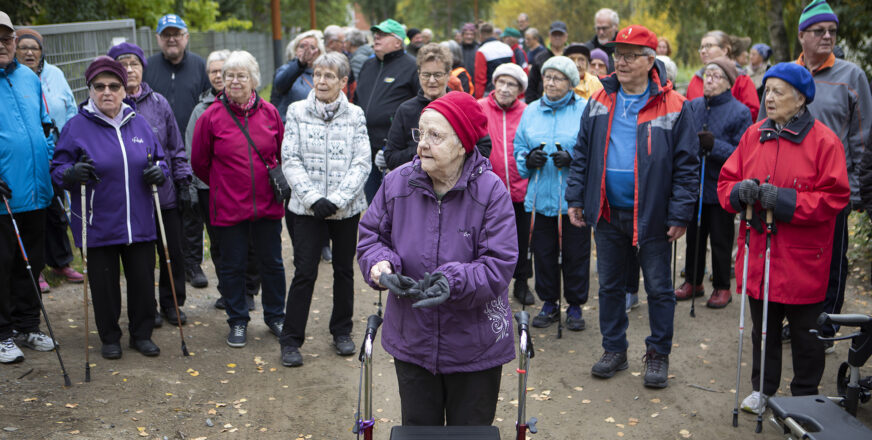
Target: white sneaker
[
  {"x": 37, "y": 340},
  {"x": 755, "y": 403},
  {"x": 9, "y": 352}
]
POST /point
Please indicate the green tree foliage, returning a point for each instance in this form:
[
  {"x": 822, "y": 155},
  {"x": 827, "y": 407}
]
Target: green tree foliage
[
  {"x": 855, "y": 31},
  {"x": 578, "y": 16},
  {"x": 441, "y": 16},
  {"x": 378, "y": 10}
]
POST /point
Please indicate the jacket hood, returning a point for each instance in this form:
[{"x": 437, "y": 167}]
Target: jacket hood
[{"x": 473, "y": 167}]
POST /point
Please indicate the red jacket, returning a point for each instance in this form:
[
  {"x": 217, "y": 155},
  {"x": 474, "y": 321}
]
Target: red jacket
[
  {"x": 806, "y": 162},
  {"x": 501, "y": 126},
  {"x": 743, "y": 90},
  {"x": 222, "y": 158}
]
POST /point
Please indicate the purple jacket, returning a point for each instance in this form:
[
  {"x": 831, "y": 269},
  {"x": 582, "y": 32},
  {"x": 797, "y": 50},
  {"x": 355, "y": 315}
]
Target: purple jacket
[
  {"x": 121, "y": 206},
  {"x": 156, "y": 110},
  {"x": 470, "y": 237}
]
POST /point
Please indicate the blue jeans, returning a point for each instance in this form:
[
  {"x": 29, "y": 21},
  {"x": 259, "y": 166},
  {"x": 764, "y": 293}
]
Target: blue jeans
[
  {"x": 266, "y": 236},
  {"x": 614, "y": 245}
]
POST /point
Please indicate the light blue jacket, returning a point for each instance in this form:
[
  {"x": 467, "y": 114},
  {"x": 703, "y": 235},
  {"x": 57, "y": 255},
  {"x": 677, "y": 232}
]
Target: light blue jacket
[
  {"x": 25, "y": 152},
  {"x": 540, "y": 123},
  {"x": 61, "y": 102}
]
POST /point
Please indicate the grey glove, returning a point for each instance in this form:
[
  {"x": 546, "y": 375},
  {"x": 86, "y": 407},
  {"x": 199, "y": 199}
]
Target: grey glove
[
  {"x": 380, "y": 161},
  {"x": 435, "y": 290},
  {"x": 749, "y": 191},
  {"x": 768, "y": 196},
  {"x": 400, "y": 285}
]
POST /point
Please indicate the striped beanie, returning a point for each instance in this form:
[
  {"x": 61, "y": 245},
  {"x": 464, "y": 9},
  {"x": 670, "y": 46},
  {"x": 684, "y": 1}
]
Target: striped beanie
[{"x": 816, "y": 12}]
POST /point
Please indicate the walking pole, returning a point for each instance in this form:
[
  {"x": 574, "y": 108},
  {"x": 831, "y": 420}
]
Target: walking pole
[
  {"x": 769, "y": 231},
  {"x": 696, "y": 245},
  {"x": 748, "y": 212},
  {"x": 525, "y": 347},
  {"x": 533, "y": 213},
  {"x": 366, "y": 423},
  {"x": 83, "y": 191},
  {"x": 674, "y": 256},
  {"x": 57, "y": 347},
  {"x": 163, "y": 237},
  {"x": 559, "y": 243}
]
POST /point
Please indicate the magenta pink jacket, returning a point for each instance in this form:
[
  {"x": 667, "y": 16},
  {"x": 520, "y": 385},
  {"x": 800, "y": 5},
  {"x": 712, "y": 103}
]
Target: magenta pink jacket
[{"x": 501, "y": 126}]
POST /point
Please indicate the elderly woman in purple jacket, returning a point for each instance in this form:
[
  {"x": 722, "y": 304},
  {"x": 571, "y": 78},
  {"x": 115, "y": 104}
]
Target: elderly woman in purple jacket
[
  {"x": 115, "y": 155},
  {"x": 441, "y": 235},
  {"x": 175, "y": 193}
]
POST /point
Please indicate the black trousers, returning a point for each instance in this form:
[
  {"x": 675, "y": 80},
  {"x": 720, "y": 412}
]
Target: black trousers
[
  {"x": 58, "y": 252},
  {"x": 838, "y": 272},
  {"x": 252, "y": 274},
  {"x": 806, "y": 349},
  {"x": 717, "y": 225},
  {"x": 310, "y": 234},
  {"x": 524, "y": 268},
  {"x": 104, "y": 278},
  {"x": 459, "y": 399},
  {"x": 575, "y": 269},
  {"x": 192, "y": 231},
  {"x": 172, "y": 221},
  {"x": 19, "y": 305}
]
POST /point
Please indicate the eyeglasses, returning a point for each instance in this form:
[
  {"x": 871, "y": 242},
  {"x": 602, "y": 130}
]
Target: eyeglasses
[
  {"x": 628, "y": 57},
  {"x": 435, "y": 75},
  {"x": 130, "y": 64},
  {"x": 100, "y": 87},
  {"x": 602, "y": 28},
  {"x": 820, "y": 32},
  {"x": 177, "y": 35},
  {"x": 507, "y": 84},
  {"x": 215, "y": 72},
  {"x": 707, "y": 47},
  {"x": 433, "y": 137},
  {"x": 25, "y": 49},
  {"x": 8, "y": 40},
  {"x": 229, "y": 77},
  {"x": 713, "y": 76},
  {"x": 326, "y": 76},
  {"x": 554, "y": 78}
]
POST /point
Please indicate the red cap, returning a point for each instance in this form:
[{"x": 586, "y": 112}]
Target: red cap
[
  {"x": 636, "y": 35},
  {"x": 465, "y": 116}
]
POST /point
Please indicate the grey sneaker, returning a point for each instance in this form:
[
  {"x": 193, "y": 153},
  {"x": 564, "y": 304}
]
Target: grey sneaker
[
  {"x": 9, "y": 352},
  {"x": 344, "y": 345},
  {"x": 37, "y": 340},
  {"x": 610, "y": 363},
  {"x": 276, "y": 327},
  {"x": 291, "y": 357},
  {"x": 632, "y": 301},
  {"x": 236, "y": 337},
  {"x": 656, "y": 369}
]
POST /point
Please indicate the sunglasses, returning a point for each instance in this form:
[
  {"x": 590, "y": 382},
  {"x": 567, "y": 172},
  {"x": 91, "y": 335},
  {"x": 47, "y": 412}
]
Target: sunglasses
[{"x": 100, "y": 87}]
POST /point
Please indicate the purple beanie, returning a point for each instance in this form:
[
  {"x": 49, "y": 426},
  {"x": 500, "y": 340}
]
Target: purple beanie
[
  {"x": 126, "y": 48},
  {"x": 104, "y": 64},
  {"x": 599, "y": 54}
]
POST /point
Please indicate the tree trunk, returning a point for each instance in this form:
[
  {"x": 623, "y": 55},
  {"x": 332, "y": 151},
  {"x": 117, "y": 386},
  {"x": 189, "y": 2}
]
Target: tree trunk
[{"x": 777, "y": 32}]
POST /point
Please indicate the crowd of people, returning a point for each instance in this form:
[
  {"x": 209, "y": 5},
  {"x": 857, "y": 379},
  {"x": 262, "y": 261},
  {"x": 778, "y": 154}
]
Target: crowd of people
[{"x": 448, "y": 169}]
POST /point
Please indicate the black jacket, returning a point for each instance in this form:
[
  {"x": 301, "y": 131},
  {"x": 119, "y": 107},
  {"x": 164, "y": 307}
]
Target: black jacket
[
  {"x": 534, "y": 79},
  {"x": 595, "y": 44},
  {"x": 382, "y": 86},
  {"x": 181, "y": 84}
]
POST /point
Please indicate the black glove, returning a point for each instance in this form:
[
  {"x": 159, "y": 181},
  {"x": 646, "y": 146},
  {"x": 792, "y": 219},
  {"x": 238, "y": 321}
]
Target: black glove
[
  {"x": 80, "y": 172},
  {"x": 768, "y": 196},
  {"x": 185, "y": 195},
  {"x": 5, "y": 191},
  {"x": 561, "y": 158},
  {"x": 434, "y": 290},
  {"x": 706, "y": 141},
  {"x": 536, "y": 159},
  {"x": 153, "y": 175},
  {"x": 400, "y": 285},
  {"x": 749, "y": 191},
  {"x": 324, "y": 208}
]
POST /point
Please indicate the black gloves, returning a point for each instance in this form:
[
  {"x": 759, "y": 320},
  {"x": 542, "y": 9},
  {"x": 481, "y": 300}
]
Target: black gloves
[
  {"x": 186, "y": 195},
  {"x": 324, "y": 208},
  {"x": 749, "y": 191},
  {"x": 435, "y": 290},
  {"x": 536, "y": 159},
  {"x": 5, "y": 191},
  {"x": 80, "y": 172},
  {"x": 706, "y": 141},
  {"x": 153, "y": 175},
  {"x": 400, "y": 285},
  {"x": 561, "y": 158},
  {"x": 768, "y": 196}
]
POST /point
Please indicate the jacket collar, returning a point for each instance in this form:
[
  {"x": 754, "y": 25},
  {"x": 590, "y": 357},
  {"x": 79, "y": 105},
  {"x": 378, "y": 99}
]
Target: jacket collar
[
  {"x": 311, "y": 105},
  {"x": 257, "y": 103},
  {"x": 795, "y": 130},
  {"x": 474, "y": 166},
  {"x": 390, "y": 56},
  {"x": 720, "y": 99},
  {"x": 492, "y": 101},
  {"x": 830, "y": 62},
  {"x": 10, "y": 67},
  {"x": 89, "y": 111},
  {"x": 146, "y": 90}
]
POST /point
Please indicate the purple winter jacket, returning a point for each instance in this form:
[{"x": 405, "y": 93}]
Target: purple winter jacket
[
  {"x": 470, "y": 237},
  {"x": 121, "y": 206},
  {"x": 156, "y": 110}
]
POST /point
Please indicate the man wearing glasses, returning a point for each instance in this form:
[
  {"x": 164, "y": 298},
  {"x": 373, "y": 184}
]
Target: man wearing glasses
[
  {"x": 606, "y": 22},
  {"x": 635, "y": 179}
]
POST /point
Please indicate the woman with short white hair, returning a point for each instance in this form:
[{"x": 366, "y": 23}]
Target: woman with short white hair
[{"x": 293, "y": 80}]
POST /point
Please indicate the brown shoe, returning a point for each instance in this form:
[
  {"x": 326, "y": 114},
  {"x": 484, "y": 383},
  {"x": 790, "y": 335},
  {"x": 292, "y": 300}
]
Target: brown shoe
[
  {"x": 719, "y": 299},
  {"x": 683, "y": 293}
]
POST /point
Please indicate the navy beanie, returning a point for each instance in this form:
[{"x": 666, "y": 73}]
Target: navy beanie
[{"x": 795, "y": 75}]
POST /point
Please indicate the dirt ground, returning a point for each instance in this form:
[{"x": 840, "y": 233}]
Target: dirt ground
[{"x": 221, "y": 392}]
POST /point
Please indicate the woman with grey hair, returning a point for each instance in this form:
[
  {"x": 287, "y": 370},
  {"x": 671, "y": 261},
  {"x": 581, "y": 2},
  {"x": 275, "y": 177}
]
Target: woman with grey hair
[
  {"x": 357, "y": 45},
  {"x": 293, "y": 80},
  {"x": 461, "y": 80},
  {"x": 326, "y": 160}
]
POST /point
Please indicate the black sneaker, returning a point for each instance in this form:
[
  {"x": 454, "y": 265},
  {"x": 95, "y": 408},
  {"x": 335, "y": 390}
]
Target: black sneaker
[
  {"x": 610, "y": 363},
  {"x": 656, "y": 369},
  {"x": 236, "y": 337},
  {"x": 574, "y": 320},
  {"x": 170, "y": 316},
  {"x": 145, "y": 346},
  {"x": 276, "y": 327},
  {"x": 547, "y": 316},
  {"x": 158, "y": 320},
  {"x": 291, "y": 356},
  {"x": 111, "y": 350},
  {"x": 219, "y": 303},
  {"x": 344, "y": 345},
  {"x": 249, "y": 301},
  {"x": 326, "y": 254},
  {"x": 785, "y": 334},
  {"x": 522, "y": 293},
  {"x": 197, "y": 278}
]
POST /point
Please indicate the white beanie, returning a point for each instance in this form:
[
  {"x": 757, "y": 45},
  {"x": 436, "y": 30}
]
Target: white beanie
[
  {"x": 565, "y": 66},
  {"x": 513, "y": 70}
]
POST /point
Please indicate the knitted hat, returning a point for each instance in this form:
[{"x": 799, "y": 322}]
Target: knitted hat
[
  {"x": 126, "y": 48},
  {"x": 104, "y": 64},
  {"x": 577, "y": 48},
  {"x": 727, "y": 66},
  {"x": 764, "y": 50},
  {"x": 391, "y": 26},
  {"x": 599, "y": 54},
  {"x": 795, "y": 75},
  {"x": 816, "y": 12},
  {"x": 29, "y": 33},
  {"x": 563, "y": 65},
  {"x": 513, "y": 70},
  {"x": 465, "y": 116},
  {"x": 511, "y": 32},
  {"x": 412, "y": 32}
]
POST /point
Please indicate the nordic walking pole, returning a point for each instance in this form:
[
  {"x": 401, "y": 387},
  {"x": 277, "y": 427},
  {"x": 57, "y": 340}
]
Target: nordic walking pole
[
  {"x": 525, "y": 348},
  {"x": 366, "y": 423},
  {"x": 748, "y": 212},
  {"x": 57, "y": 347},
  {"x": 769, "y": 231},
  {"x": 83, "y": 190},
  {"x": 163, "y": 237},
  {"x": 533, "y": 213},
  {"x": 674, "y": 256},
  {"x": 696, "y": 245},
  {"x": 559, "y": 243}
]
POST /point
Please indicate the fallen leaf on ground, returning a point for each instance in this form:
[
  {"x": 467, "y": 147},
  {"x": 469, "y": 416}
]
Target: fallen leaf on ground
[
  {"x": 74, "y": 432},
  {"x": 231, "y": 365},
  {"x": 71, "y": 405},
  {"x": 636, "y": 373},
  {"x": 212, "y": 412},
  {"x": 654, "y": 415},
  {"x": 578, "y": 388},
  {"x": 655, "y": 400},
  {"x": 30, "y": 399},
  {"x": 610, "y": 420},
  {"x": 685, "y": 433},
  {"x": 585, "y": 401}
]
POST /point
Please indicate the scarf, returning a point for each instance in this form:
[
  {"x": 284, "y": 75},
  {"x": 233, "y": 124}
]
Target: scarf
[
  {"x": 243, "y": 108},
  {"x": 327, "y": 111},
  {"x": 560, "y": 103}
]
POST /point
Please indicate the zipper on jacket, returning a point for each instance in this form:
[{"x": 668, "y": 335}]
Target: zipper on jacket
[
  {"x": 506, "y": 154},
  {"x": 35, "y": 193},
  {"x": 439, "y": 230},
  {"x": 251, "y": 169},
  {"x": 326, "y": 157},
  {"x": 126, "y": 179}
]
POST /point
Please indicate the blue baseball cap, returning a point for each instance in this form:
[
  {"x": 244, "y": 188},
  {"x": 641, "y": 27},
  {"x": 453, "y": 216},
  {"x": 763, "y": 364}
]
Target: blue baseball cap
[{"x": 171, "y": 20}]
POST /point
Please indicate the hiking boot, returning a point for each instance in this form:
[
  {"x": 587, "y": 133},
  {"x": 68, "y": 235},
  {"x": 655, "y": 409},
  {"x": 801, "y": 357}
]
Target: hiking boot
[
  {"x": 574, "y": 320},
  {"x": 9, "y": 352},
  {"x": 610, "y": 363},
  {"x": 236, "y": 337},
  {"x": 219, "y": 303},
  {"x": 549, "y": 315},
  {"x": 291, "y": 356},
  {"x": 249, "y": 301},
  {"x": 683, "y": 293},
  {"x": 111, "y": 351},
  {"x": 145, "y": 346},
  {"x": 43, "y": 285},
  {"x": 158, "y": 320},
  {"x": 326, "y": 254},
  {"x": 276, "y": 327},
  {"x": 170, "y": 316},
  {"x": 344, "y": 345},
  {"x": 656, "y": 369},
  {"x": 197, "y": 278},
  {"x": 37, "y": 340},
  {"x": 785, "y": 334},
  {"x": 522, "y": 293},
  {"x": 719, "y": 299},
  {"x": 632, "y": 301},
  {"x": 755, "y": 403},
  {"x": 70, "y": 274}
]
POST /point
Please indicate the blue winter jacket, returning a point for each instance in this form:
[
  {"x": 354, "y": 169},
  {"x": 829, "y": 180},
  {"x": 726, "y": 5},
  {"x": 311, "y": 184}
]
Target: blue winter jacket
[
  {"x": 25, "y": 152},
  {"x": 61, "y": 102},
  {"x": 727, "y": 119},
  {"x": 539, "y": 124}
]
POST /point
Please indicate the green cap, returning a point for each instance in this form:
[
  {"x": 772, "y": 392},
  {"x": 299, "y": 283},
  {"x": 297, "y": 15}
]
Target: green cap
[
  {"x": 511, "y": 32},
  {"x": 391, "y": 26}
]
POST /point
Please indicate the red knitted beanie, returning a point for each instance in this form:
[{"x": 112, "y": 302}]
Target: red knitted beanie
[{"x": 465, "y": 116}]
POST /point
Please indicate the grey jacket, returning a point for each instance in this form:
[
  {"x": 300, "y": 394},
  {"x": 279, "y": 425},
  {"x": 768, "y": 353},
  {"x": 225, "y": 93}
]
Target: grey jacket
[
  {"x": 206, "y": 99},
  {"x": 360, "y": 55}
]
